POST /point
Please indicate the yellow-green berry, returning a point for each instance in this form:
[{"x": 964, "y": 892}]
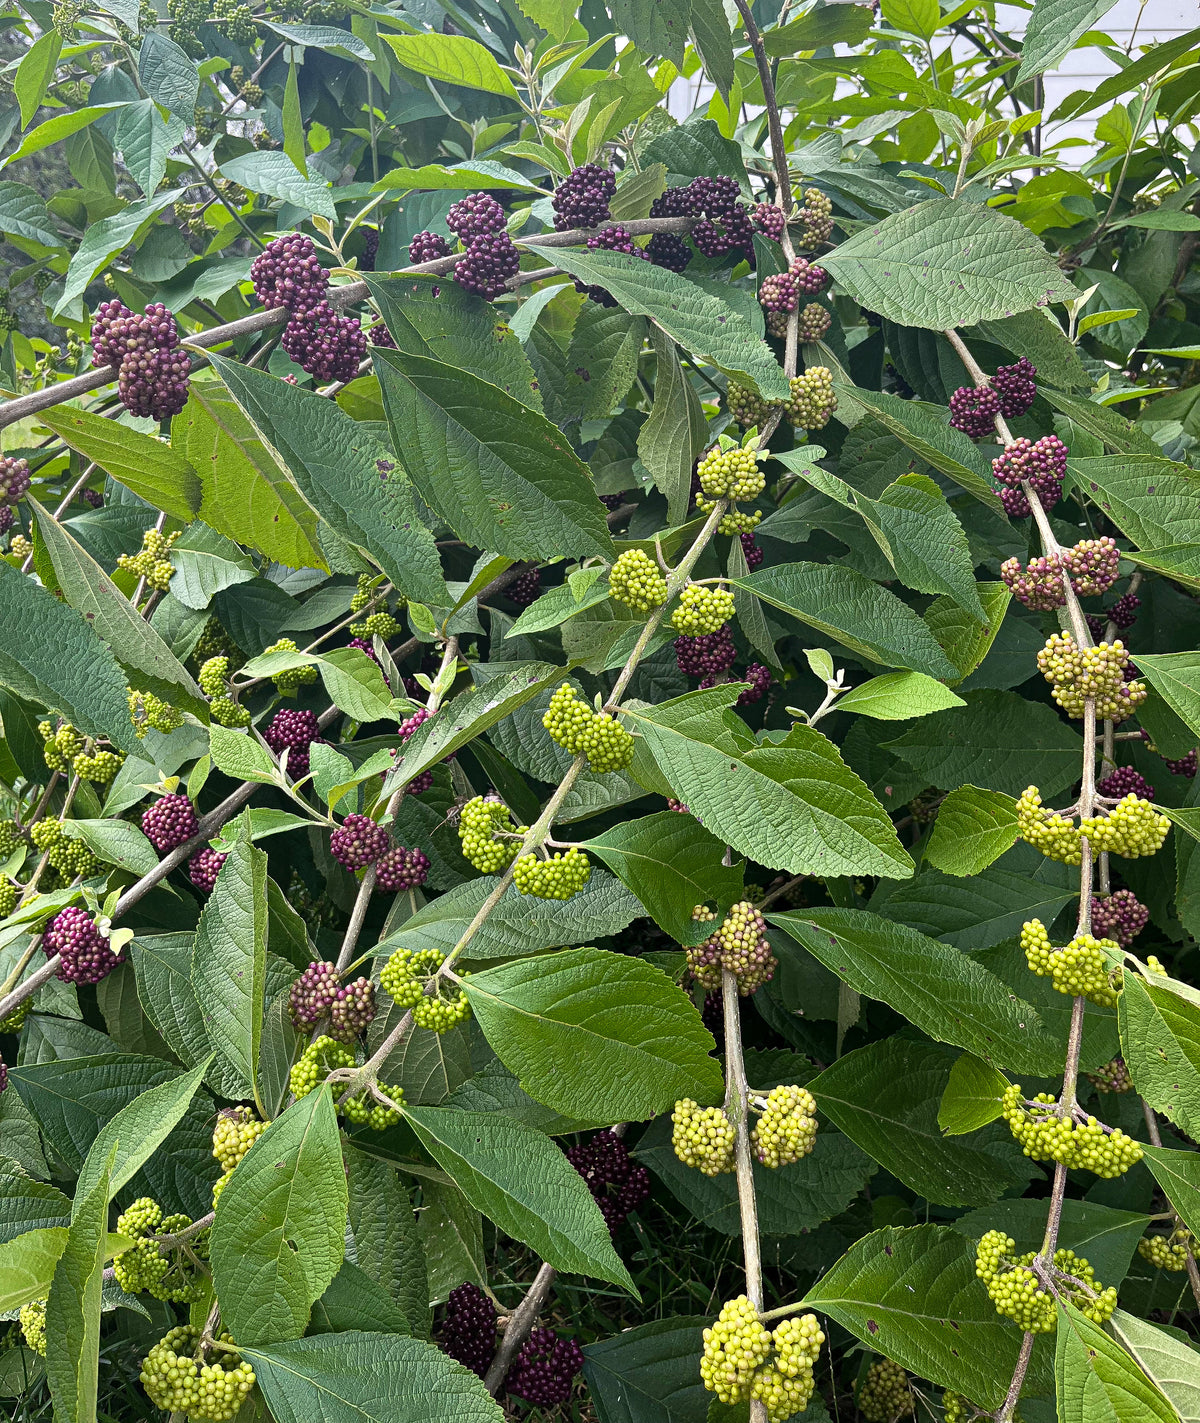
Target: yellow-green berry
[
  {"x": 703, "y": 1137},
  {"x": 559, "y": 877},
  {"x": 702, "y": 610},
  {"x": 884, "y": 1394},
  {"x": 479, "y": 822},
  {"x": 787, "y": 1129},
  {"x": 289, "y": 681},
  {"x": 236, "y": 1131},
  {"x": 635, "y": 580},
  {"x": 32, "y": 1318}
]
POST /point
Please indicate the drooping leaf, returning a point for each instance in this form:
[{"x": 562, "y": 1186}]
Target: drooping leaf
[
  {"x": 973, "y": 828},
  {"x": 1170, "y": 1364},
  {"x": 1053, "y": 28},
  {"x": 73, "y": 1305},
  {"x": 1160, "y": 1040},
  {"x": 671, "y": 440},
  {"x": 1178, "y": 1173}
]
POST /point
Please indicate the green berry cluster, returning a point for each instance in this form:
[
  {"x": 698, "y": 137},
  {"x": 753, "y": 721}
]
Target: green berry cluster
[
  {"x": 740, "y": 946},
  {"x": 146, "y": 712},
  {"x": 214, "y": 675},
  {"x": 10, "y": 838},
  {"x": 321, "y": 1057},
  {"x": 8, "y": 902},
  {"x": 235, "y": 19},
  {"x": 13, "y": 1022},
  {"x": 1021, "y": 1296},
  {"x": 559, "y": 876},
  {"x": 380, "y": 624},
  {"x": 213, "y": 641},
  {"x": 69, "y": 857},
  {"x": 1085, "y": 1145},
  {"x": 153, "y": 562},
  {"x": 178, "y": 1381},
  {"x": 955, "y": 1408},
  {"x": 582, "y": 731},
  {"x": 1168, "y": 1252},
  {"x": 1054, "y": 835},
  {"x": 787, "y": 1129},
  {"x": 1077, "y": 675},
  {"x": 99, "y": 768},
  {"x": 1082, "y": 970},
  {"x": 63, "y": 749},
  {"x": 746, "y": 406},
  {"x": 743, "y": 1359},
  {"x": 816, "y": 219},
  {"x": 812, "y": 400},
  {"x": 363, "y": 594},
  {"x": 703, "y": 1137},
  {"x": 636, "y": 581},
  {"x": 702, "y": 610},
  {"x": 288, "y": 683},
  {"x": 145, "y": 1268},
  {"x": 478, "y": 824},
  {"x": 1132, "y": 828},
  {"x": 365, "y": 1111},
  {"x": 236, "y": 1131},
  {"x": 731, "y": 474},
  {"x": 32, "y": 1318},
  {"x": 405, "y": 978},
  {"x": 884, "y": 1394}
]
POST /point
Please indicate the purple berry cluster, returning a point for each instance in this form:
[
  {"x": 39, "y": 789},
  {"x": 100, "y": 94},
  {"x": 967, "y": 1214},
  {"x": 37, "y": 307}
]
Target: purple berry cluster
[
  {"x": 352, "y": 1010},
  {"x": 204, "y": 867},
  {"x": 1043, "y": 463},
  {"x": 419, "y": 784},
  {"x": 468, "y": 1331},
  {"x": 759, "y": 678},
  {"x": 708, "y": 655},
  {"x": 754, "y": 554},
  {"x": 152, "y": 368},
  {"x": 288, "y": 272},
  {"x": 1185, "y": 766},
  {"x": 358, "y": 842},
  {"x": 1016, "y": 387},
  {"x": 973, "y": 410},
  {"x": 491, "y": 256},
  {"x": 169, "y": 822},
  {"x": 609, "y": 239},
  {"x": 3, "y": 1075},
  {"x": 14, "y": 479},
  {"x": 617, "y": 1185},
  {"x": 83, "y": 950},
  {"x": 325, "y": 344},
  {"x": 293, "y": 731},
  {"x": 527, "y": 588},
  {"x": 427, "y": 247},
  {"x": 582, "y": 198},
  {"x": 312, "y": 993},
  {"x": 545, "y": 1368},
  {"x": 768, "y": 219},
  {"x": 780, "y": 293},
  {"x": 402, "y": 868},
  {"x": 1125, "y": 781},
  {"x": 379, "y": 335},
  {"x": 1122, "y": 614},
  {"x": 1122, "y": 916}
]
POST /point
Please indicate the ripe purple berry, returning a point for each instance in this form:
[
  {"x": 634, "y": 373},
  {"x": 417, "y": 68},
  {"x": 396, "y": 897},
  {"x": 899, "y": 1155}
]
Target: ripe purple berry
[
  {"x": 312, "y": 993},
  {"x": 468, "y": 1331},
  {"x": 169, "y": 822},
  {"x": 1016, "y": 387},
  {"x": 1125, "y": 781},
  {"x": 1122, "y": 916},
  {"x": 708, "y": 655},
  {"x": 427, "y": 247},
  {"x": 358, "y": 842},
  {"x": 526, "y": 589},
  {"x": 475, "y": 215},
  {"x": 14, "y": 479},
  {"x": 83, "y": 950},
  {"x": 973, "y": 410},
  {"x": 1185, "y": 766},
  {"x": 203, "y": 868},
  {"x": 490, "y": 260},
  {"x": 401, "y": 868},
  {"x": 1124, "y": 611},
  {"x": 760, "y": 680},
  {"x": 352, "y": 1010},
  {"x": 618, "y": 1186},
  {"x": 768, "y": 219},
  {"x": 583, "y": 196},
  {"x": 328, "y": 346},
  {"x": 287, "y": 272},
  {"x": 545, "y": 1368},
  {"x": 754, "y": 554},
  {"x": 94, "y": 498}
]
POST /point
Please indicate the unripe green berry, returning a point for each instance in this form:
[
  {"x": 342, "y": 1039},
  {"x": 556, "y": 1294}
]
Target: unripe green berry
[
  {"x": 635, "y": 580},
  {"x": 787, "y": 1129},
  {"x": 478, "y": 824},
  {"x": 702, "y": 610},
  {"x": 884, "y": 1394},
  {"x": 703, "y": 1137},
  {"x": 561, "y": 876}
]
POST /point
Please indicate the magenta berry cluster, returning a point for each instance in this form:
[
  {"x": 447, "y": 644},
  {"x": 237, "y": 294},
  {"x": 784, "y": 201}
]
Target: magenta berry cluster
[
  {"x": 325, "y": 344},
  {"x": 169, "y": 822},
  {"x": 768, "y": 219},
  {"x": 379, "y": 335},
  {"x": 427, "y": 247},
  {"x": 83, "y": 950},
  {"x": 1040, "y": 586},
  {"x": 527, "y": 588},
  {"x": 780, "y": 293},
  {"x": 352, "y": 1010},
  {"x": 759, "y": 678},
  {"x": 609, "y": 239},
  {"x": 288, "y": 272},
  {"x": 545, "y": 1369},
  {"x": 468, "y": 1331},
  {"x": 152, "y": 368},
  {"x": 582, "y": 198},
  {"x": 1120, "y": 916},
  {"x": 753, "y": 553},
  {"x": 476, "y": 215},
  {"x": 708, "y": 655},
  {"x": 358, "y": 842},
  {"x": 204, "y": 867},
  {"x": 1016, "y": 387},
  {"x": 419, "y": 784},
  {"x": 1185, "y": 766},
  {"x": 14, "y": 479},
  {"x": 1125, "y": 781},
  {"x": 973, "y": 410},
  {"x": 293, "y": 731},
  {"x": 491, "y": 256},
  {"x": 312, "y": 993},
  {"x": 1043, "y": 463},
  {"x": 618, "y": 1186},
  {"x": 402, "y": 868}
]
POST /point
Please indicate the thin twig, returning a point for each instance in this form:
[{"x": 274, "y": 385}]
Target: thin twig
[{"x": 520, "y": 1323}]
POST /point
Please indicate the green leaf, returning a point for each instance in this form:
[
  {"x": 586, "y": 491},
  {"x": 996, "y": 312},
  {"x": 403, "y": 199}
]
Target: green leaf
[
  {"x": 648, "y": 1374},
  {"x": 500, "y": 474},
  {"x": 145, "y": 140},
  {"x": 1178, "y": 1173},
  {"x": 713, "y": 43},
  {"x": 1179, "y": 562},
  {"x": 556, "y": 605},
  {"x": 521, "y": 1180},
  {"x": 355, "y": 684},
  {"x": 1154, "y": 501},
  {"x": 672, "y": 864},
  {"x": 794, "y": 805},
  {"x": 229, "y": 961},
  {"x": 280, "y": 1232},
  {"x": 454, "y": 59},
  {"x": 659, "y": 29},
  {"x": 327, "y": 37},
  {"x": 912, "y": 1295},
  {"x": 1038, "y": 335},
  {"x": 451, "y": 1232},
  {"x": 1170, "y": 1364},
  {"x": 457, "y": 177},
  {"x": 1096, "y": 1381},
  {"x": 54, "y": 657},
  {"x": 162, "y": 967},
  {"x": 354, "y": 1301},
  {"x": 384, "y": 1230},
  {"x": 958, "y": 634},
  {"x": 275, "y": 174},
  {"x": 168, "y": 75},
  {"x": 896, "y": 696},
  {"x": 946, "y": 993},
  {"x": 971, "y": 1097},
  {"x": 293, "y": 123},
  {"x": 241, "y": 756},
  {"x": 27, "y": 1265},
  {"x": 35, "y": 72},
  {"x": 1114, "y": 430},
  {"x": 101, "y": 243},
  {"x": 999, "y": 740},
  {"x": 1054, "y": 26},
  {"x": 696, "y": 148},
  {"x": 671, "y": 440},
  {"x": 206, "y": 563},
  {"x": 336, "y": 464},
  {"x": 23, "y": 213},
  {"x": 28, "y": 1204},
  {"x": 359, "y": 1377},
  {"x": 915, "y": 17},
  {"x": 973, "y": 828},
  {"x": 827, "y": 26},
  {"x": 73, "y": 1306},
  {"x": 701, "y": 323},
  {"x": 149, "y": 663},
  {"x": 128, "y": 1140},
  {"x": 56, "y": 129},
  {"x": 946, "y": 263},
  {"x": 855, "y": 611},
  {"x": 598, "y": 1036},
  {"x": 144, "y": 465},
  {"x": 1160, "y": 1040}
]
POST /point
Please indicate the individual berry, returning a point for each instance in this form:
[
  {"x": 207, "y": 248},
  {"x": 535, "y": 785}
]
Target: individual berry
[
  {"x": 545, "y": 1369},
  {"x": 427, "y": 247},
  {"x": 702, "y": 610},
  {"x": 287, "y": 272},
  {"x": 1168, "y": 1252},
  {"x": 321, "y": 1057},
  {"x": 479, "y": 823},
  {"x": 401, "y": 868},
  {"x": 1185, "y": 766},
  {"x": 83, "y": 951},
  {"x": 635, "y": 580},
  {"x": 731, "y": 474},
  {"x": 759, "y": 678},
  {"x": 706, "y": 656},
  {"x": 560, "y": 876},
  {"x": 582, "y": 198},
  {"x": 768, "y": 219},
  {"x": 666, "y": 249},
  {"x": 814, "y": 220},
  {"x": 203, "y": 868},
  {"x": 14, "y": 479},
  {"x": 787, "y": 1128},
  {"x": 32, "y": 1319},
  {"x": 177, "y": 1381},
  {"x": 1079, "y": 675},
  {"x": 468, "y": 1331},
  {"x": 812, "y": 400},
  {"x": 1125, "y": 781},
  {"x": 736, "y": 1345},
  {"x": 358, "y": 842},
  {"x": 618, "y": 1186},
  {"x": 1132, "y": 828},
  {"x": 884, "y": 1394},
  {"x": 475, "y": 215},
  {"x": 312, "y": 994},
  {"x": 1016, "y": 387},
  {"x": 1092, "y": 565},
  {"x": 352, "y": 1010},
  {"x": 1081, "y": 970},
  {"x": 491, "y": 259},
  {"x": 325, "y": 344},
  {"x": 973, "y": 410},
  {"x": 169, "y": 822},
  {"x": 1083, "y": 1144},
  {"x": 1039, "y": 586},
  {"x": 527, "y": 588},
  {"x": 288, "y": 683},
  {"x": 236, "y": 1131},
  {"x": 703, "y": 1137}
]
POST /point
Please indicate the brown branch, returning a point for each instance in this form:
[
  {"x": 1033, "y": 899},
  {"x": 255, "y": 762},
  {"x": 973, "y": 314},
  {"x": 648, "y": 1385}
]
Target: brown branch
[{"x": 520, "y": 1324}]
